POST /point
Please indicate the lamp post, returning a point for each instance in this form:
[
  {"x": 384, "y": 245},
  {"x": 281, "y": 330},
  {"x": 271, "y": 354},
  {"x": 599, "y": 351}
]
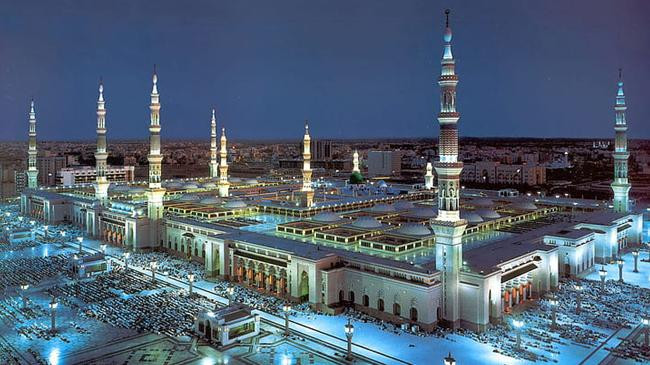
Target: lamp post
[
  {"x": 553, "y": 302},
  {"x": 635, "y": 253},
  {"x": 518, "y": 325},
  {"x": 23, "y": 288},
  {"x": 126, "y": 261},
  {"x": 645, "y": 320},
  {"x": 45, "y": 228},
  {"x": 449, "y": 360},
  {"x": 190, "y": 278},
  {"x": 230, "y": 291},
  {"x": 53, "y": 304},
  {"x": 603, "y": 275},
  {"x": 349, "y": 331},
  {"x": 620, "y": 263},
  {"x": 153, "y": 265},
  {"x": 80, "y": 239},
  {"x": 286, "y": 309},
  {"x": 102, "y": 248},
  {"x": 578, "y": 287}
]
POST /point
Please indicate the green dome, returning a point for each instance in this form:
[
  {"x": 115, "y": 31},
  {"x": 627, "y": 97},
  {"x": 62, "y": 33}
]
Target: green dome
[{"x": 356, "y": 178}]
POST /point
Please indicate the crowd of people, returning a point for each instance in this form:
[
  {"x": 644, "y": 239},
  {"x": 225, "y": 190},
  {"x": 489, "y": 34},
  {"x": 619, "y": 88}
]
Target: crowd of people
[
  {"x": 17, "y": 271},
  {"x": 164, "y": 312},
  {"x": 168, "y": 265}
]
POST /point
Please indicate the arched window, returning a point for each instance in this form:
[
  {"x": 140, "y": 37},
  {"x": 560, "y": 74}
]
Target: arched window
[
  {"x": 366, "y": 301},
  {"x": 380, "y": 305},
  {"x": 414, "y": 314},
  {"x": 397, "y": 309},
  {"x": 341, "y": 296},
  {"x": 351, "y": 296}
]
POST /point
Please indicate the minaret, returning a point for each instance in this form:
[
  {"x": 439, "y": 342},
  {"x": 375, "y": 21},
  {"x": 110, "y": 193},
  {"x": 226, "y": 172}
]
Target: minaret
[
  {"x": 156, "y": 192},
  {"x": 214, "y": 166},
  {"x": 428, "y": 177},
  {"x": 620, "y": 186},
  {"x": 355, "y": 162},
  {"x": 448, "y": 226},
  {"x": 32, "y": 171},
  {"x": 306, "y": 168},
  {"x": 223, "y": 166},
  {"x": 101, "y": 184}
]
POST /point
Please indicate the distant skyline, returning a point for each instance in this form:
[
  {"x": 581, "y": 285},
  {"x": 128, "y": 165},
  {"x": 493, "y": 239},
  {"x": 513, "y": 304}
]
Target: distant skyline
[{"x": 355, "y": 69}]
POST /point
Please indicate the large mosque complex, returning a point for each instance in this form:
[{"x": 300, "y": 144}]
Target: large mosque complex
[{"x": 423, "y": 254}]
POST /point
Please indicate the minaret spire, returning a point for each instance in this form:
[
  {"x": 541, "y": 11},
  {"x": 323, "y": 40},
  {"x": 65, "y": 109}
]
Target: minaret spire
[
  {"x": 620, "y": 185},
  {"x": 448, "y": 226},
  {"x": 355, "y": 162},
  {"x": 32, "y": 170},
  {"x": 223, "y": 166},
  {"x": 306, "y": 168},
  {"x": 428, "y": 176},
  {"x": 214, "y": 165},
  {"x": 155, "y": 192},
  {"x": 101, "y": 183}
]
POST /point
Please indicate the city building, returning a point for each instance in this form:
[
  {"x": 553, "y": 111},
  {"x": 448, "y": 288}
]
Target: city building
[
  {"x": 384, "y": 163},
  {"x": 87, "y": 174},
  {"x": 490, "y": 172}
]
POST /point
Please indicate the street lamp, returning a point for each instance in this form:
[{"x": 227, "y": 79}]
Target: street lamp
[
  {"x": 190, "y": 278},
  {"x": 449, "y": 360},
  {"x": 230, "y": 291},
  {"x": 126, "y": 260},
  {"x": 635, "y": 253},
  {"x": 153, "y": 265},
  {"x": 620, "y": 263},
  {"x": 102, "y": 248},
  {"x": 24, "y": 288},
  {"x": 80, "y": 239},
  {"x": 553, "y": 302},
  {"x": 45, "y": 228},
  {"x": 603, "y": 275},
  {"x": 53, "y": 304},
  {"x": 286, "y": 309},
  {"x": 518, "y": 324},
  {"x": 645, "y": 320},
  {"x": 349, "y": 331},
  {"x": 578, "y": 287}
]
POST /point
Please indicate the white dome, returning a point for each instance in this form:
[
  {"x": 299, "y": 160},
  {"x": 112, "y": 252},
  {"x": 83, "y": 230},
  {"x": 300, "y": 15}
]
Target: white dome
[
  {"x": 524, "y": 206},
  {"x": 413, "y": 229},
  {"x": 174, "y": 185},
  {"x": 190, "y": 186},
  {"x": 382, "y": 208},
  {"x": 251, "y": 182},
  {"x": 382, "y": 184},
  {"x": 470, "y": 216},
  {"x": 326, "y": 217},
  {"x": 482, "y": 202},
  {"x": 404, "y": 205},
  {"x": 234, "y": 179},
  {"x": 210, "y": 200},
  {"x": 366, "y": 222},
  {"x": 235, "y": 204},
  {"x": 209, "y": 185},
  {"x": 488, "y": 213},
  {"x": 189, "y": 198},
  {"x": 120, "y": 187},
  {"x": 424, "y": 212},
  {"x": 136, "y": 190}
]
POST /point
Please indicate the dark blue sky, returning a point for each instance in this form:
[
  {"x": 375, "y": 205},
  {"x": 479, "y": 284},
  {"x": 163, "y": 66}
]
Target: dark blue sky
[{"x": 353, "y": 68}]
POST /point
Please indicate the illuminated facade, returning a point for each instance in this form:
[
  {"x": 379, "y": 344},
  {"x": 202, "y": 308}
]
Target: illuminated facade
[
  {"x": 156, "y": 192},
  {"x": 214, "y": 166},
  {"x": 32, "y": 171},
  {"x": 223, "y": 166},
  {"x": 101, "y": 182},
  {"x": 620, "y": 186}
]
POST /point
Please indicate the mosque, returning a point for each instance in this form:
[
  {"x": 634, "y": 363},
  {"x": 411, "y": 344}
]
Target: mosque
[{"x": 422, "y": 255}]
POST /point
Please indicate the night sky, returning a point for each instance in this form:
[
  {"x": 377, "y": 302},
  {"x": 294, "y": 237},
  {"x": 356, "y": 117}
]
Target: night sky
[{"x": 355, "y": 69}]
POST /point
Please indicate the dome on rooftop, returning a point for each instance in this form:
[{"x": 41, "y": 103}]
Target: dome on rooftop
[
  {"x": 482, "y": 202},
  {"x": 382, "y": 208},
  {"x": 488, "y": 213},
  {"x": 235, "y": 204},
  {"x": 234, "y": 180},
  {"x": 190, "y": 186},
  {"x": 382, "y": 184},
  {"x": 414, "y": 229},
  {"x": 136, "y": 190},
  {"x": 189, "y": 198},
  {"x": 403, "y": 205},
  {"x": 251, "y": 182},
  {"x": 366, "y": 222},
  {"x": 120, "y": 187},
  {"x": 174, "y": 185},
  {"x": 326, "y": 217},
  {"x": 209, "y": 185},
  {"x": 424, "y": 212},
  {"x": 525, "y": 205},
  {"x": 210, "y": 200},
  {"x": 470, "y": 216}
]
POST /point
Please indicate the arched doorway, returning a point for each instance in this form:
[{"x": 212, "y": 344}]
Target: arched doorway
[
  {"x": 380, "y": 305},
  {"x": 341, "y": 296},
  {"x": 304, "y": 286},
  {"x": 208, "y": 330},
  {"x": 438, "y": 314},
  {"x": 351, "y": 296},
  {"x": 397, "y": 309},
  {"x": 366, "y": 301},
  {"x": 414, "y": 314}
]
